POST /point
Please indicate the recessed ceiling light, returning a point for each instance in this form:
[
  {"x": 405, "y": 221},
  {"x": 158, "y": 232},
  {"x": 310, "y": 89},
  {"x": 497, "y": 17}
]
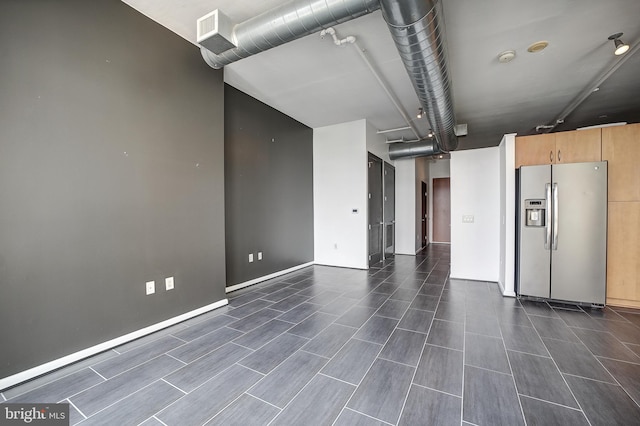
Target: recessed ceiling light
[
  {"x": 537, "y": 46},
  {"x": 507, "y": 56}
]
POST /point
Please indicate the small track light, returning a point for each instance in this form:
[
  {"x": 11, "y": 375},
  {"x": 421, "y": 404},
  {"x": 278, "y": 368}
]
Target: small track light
[
  {"x": 621, "y": 47},
  {"x": 420, "y": 113},
  {"x": 430, "y": 135}
]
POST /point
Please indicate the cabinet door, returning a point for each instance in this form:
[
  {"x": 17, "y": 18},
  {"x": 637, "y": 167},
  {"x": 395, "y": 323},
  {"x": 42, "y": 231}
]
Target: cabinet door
[
  {"x": 621, "y": 148},
  {"x": 535, "y": 150},
  {"x": 623, "y": 252},
  {"x": 579, "y": 146}
]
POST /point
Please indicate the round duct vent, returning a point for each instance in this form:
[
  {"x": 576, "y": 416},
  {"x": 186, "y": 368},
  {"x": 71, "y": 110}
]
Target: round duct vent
[
  {"x": 507, "y": 56},
  {"x": 537, "y": 46}
]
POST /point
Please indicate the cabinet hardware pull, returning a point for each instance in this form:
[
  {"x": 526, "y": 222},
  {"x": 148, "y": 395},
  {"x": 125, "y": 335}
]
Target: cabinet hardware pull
[
  {"x": 551, "y": 156},
  {"x": 559, "y": 157}
]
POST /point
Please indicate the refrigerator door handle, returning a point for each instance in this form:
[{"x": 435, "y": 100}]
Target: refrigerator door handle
[
  {"x": 555, "y": 216},
  {"x": 547, "y": 219}
]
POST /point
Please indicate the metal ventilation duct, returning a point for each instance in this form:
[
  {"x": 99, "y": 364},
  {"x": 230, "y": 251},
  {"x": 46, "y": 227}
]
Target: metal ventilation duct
[
  {"x": 285, "y": 23},
  {"x": 418, "y": 31},
  {"x": 413, "y": 149}
]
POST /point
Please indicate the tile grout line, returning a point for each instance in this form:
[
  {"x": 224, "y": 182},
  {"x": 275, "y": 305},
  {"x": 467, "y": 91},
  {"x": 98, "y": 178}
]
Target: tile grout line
[
  {"x": 424, "y": 344},
  {"x": 320, "y": 373},
  {"x": 561, "y": 374},
  {"x": 513, "y": 377},
  {"x": 262, "y": 400},
  {"x": 551, "y": 402},
  {"x": 154, "y": 417},
  {"x": 615, "y": 359},
  {"x": 76, "y": 407},
  {"x": 187, "y": 341},
  {"x": 121, "y": 399},
  {"x": 172, "y": 385},
  {"x": 528, "y": 353},
  {"x": 329, "y": 360},
  {"x": 374, "y": 361},
  {"x": 179, "y": 360},
  {"x": 464, "y": 353},
  {"x": 445, "y": 347},
  {"x": 364, "y": 414},
  {"x": 52, "y": 372},
  {"x": 311, "y": 353},
  {"x": 437, "y": 390},
  {"x": 92, "y": 369},
  {"x": 614, "y": 377},
  {"x": 255, "y": 371},
  {"x": 106, "y": 380}
]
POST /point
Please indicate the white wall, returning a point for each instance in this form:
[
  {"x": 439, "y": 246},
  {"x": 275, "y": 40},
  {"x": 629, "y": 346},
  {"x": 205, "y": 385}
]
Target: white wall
[
  {"x": 339, "y": 186},
  {"x": 475, "y": 190},
  {"x": 377, "y": 144},
  {"x": 507, "y": 215},
  {"x": 406, "y": 206},
  {"x": 437, "y": 169}
]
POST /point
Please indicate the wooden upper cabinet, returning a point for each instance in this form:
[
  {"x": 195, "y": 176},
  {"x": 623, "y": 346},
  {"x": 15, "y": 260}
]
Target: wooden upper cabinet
[
  {"x": 535, "y": 150},
  {"x": 621, "y": 148},
  {"x": 578, "y": 146}
]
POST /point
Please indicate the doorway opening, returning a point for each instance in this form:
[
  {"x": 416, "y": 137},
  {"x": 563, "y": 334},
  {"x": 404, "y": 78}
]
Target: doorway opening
[{"x": 442, "y": 210}]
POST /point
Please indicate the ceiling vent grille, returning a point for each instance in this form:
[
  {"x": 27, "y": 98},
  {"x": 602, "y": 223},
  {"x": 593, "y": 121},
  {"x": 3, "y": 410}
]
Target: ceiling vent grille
[{"x": 215, "y": 32}]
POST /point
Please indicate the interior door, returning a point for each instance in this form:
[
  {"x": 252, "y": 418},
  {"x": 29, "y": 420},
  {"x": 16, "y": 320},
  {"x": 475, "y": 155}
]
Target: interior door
[
  {"x": 441, "y": 210},
  {"x": 389, "y": 210},
  {"x": 425, "y": 218},
  {"x": 375, "y": 209}
]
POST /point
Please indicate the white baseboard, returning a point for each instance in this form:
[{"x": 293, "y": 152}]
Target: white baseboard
[
  {"x": 510, "y": 293},
  {"x": 267, "y": 277},
  {"x": 93, "y": 350}
]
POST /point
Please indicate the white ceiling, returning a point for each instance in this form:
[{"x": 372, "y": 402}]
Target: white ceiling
[{"x": 320, "y": 84}]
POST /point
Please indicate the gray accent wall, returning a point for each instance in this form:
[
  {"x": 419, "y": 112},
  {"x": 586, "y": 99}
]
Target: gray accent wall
[
  {"x": 111, "y": 175},
  {"x": 268, "y": 189}
]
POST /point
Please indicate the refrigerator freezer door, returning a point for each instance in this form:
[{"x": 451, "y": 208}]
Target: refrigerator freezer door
[
  {"x": 578, "y": 260},
  {"x": 533, "y": 260}
]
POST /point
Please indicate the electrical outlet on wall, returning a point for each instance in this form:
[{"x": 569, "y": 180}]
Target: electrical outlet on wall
[
  {"x": 168, "y": 283},
  {"x": 250, "y": 257},
  {"x": 151, "y": 287},
  {"x": 259, "y": 255}
]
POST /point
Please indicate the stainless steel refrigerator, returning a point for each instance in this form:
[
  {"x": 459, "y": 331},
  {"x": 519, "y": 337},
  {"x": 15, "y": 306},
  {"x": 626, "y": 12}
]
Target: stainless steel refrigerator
[{"x": 562, "y": 235}]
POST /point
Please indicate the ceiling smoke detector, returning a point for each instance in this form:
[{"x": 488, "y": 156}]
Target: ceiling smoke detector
[
  {"x": 538, "y": 46},
  {"x": 507, "y": 56}
]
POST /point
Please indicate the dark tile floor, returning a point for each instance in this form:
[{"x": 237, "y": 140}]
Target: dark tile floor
[{"x": 399, "y": 344}]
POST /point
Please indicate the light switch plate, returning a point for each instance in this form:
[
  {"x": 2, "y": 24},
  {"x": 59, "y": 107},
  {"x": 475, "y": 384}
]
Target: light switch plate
[
  {"x": 151, "y": 287},
  {"x": 259, "y": 255},
  {"x": 250, "y": 257},
  {"x": 168, "y": 283}
]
